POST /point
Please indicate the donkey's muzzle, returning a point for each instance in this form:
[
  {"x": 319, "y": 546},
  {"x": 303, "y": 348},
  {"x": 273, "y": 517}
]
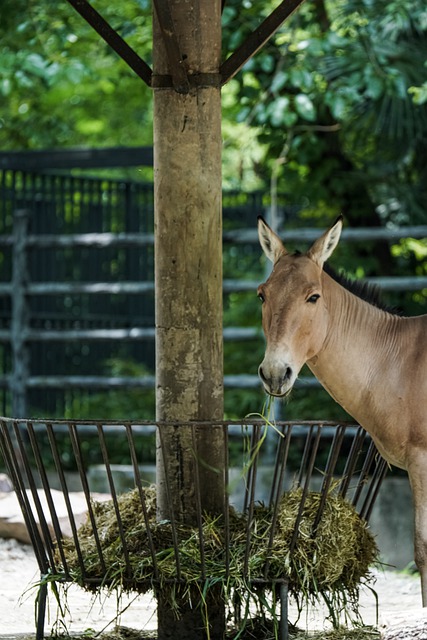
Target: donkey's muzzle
[{"x": 276, "y": 383}]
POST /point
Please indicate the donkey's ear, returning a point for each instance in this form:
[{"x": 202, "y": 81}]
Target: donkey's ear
[
  {"x": 324, "y": 246},
  {"x": 270, "y": 241}
]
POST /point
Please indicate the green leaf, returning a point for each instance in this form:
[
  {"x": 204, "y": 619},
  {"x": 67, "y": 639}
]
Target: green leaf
[
  {"x": 267, "y": 63},
  {"x": 279, "y": 81},
  {"x": 375, "y": 87},
  {"x": 277, "y": 110},
  {"x": 34, "y": 63},
  {"x": 338, "y": 105},
  {"x": 305, "y": 107}
]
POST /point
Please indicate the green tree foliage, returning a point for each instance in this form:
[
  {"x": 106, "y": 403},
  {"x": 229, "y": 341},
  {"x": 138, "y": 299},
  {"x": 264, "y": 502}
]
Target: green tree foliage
[
  {"x": 333, "y": 108},
  {"x": 337, "y": 99},
  {"x": 61, "y": 85}
]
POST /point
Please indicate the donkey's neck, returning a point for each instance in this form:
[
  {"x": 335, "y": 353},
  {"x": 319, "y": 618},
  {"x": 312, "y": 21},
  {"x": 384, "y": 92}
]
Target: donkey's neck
[{"x": 359, "y": 349}]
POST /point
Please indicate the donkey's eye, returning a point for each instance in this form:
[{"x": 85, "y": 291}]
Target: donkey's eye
[
  {"x": 313, "y": 298},
  {"x": 261, "y": 297}
]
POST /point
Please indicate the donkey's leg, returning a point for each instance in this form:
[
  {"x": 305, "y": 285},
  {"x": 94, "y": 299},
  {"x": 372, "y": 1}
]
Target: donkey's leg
[{"x": 418, "y": 479}]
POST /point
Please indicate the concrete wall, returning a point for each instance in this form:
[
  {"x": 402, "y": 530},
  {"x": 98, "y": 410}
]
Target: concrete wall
[{"x": 392, "y": 521}]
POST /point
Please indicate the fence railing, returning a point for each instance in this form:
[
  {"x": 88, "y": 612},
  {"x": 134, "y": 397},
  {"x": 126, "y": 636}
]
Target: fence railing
[{"x": 20, "y": 289}]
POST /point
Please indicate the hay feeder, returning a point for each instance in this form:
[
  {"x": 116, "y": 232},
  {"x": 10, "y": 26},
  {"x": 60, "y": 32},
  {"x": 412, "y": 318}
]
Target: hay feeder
[{"x": 291, "y": 490}]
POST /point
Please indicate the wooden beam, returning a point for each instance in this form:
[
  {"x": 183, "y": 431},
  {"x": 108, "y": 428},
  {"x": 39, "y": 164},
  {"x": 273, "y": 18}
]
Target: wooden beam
[
  {"x": 188, "y": 272},
  {"x": 112, "y": 38},
  {"x": 177, "y": 67},
  {"x": 257, "y": 39}
]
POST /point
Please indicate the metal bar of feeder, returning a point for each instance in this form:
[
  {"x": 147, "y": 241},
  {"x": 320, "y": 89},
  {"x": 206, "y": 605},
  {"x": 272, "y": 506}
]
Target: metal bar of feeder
[
  {"x": 16, "y": 473},
  {"x": 122, "y": 536},
  {"x": 170, "y": 505},
  {"x": 50, "y": 502},
  {"x": 249, "y": 503},
  {"x": 42, "y": 523},
  {"x": 280, "y": 462},
  {"x": 251, "y": 473},
  {"x": 309, "y": 472},
  {"x": 137, "y": 476},
  {"x": 328, "y": 474},
  {"x": 277, "y": 487},
  {"x": 364, "y": 474},
  {"x": 27, "y": 510},
  {"x": 379, "y": 474},
  {"x": 198, "y": 503},
  {"x": 41, "y": 610},
  {"x": 349, "y": 469},
  {"x": 70, "y": 512},
  {"x": 284, "y": 625},
  {"x": 305, "y": 455},
  {"x": 75, "y": 443},
  {"x": 226, "y": 504}
]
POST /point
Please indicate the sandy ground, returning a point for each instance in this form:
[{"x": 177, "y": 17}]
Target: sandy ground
[{"x": 19, "y": 573}]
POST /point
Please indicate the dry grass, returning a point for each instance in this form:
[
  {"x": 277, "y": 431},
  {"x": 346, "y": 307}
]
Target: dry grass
[{"x": 327, "y": 564}]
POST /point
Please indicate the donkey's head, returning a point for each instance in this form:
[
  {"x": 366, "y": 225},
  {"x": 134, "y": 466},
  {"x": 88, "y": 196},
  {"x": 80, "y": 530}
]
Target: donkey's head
[{"x": 294, "y": 311}]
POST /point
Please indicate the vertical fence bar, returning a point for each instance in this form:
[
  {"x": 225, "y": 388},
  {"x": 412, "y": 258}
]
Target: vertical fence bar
[
  {"x": 308, "y": 469},
  {"x": 350, "y": 466},
  {"x": 20, "y": 315},
  {"x": 198, "y": 499},
  {"x": 378, "y": 476},
  {"x": 284, "y": 625},
  {"x": 70, "y": 511},
  {"x": 364, "y": 474},
  {"x": 280, "y": 464},
  {"x": 226, "y": 501},
  {"x": 40, "y": 463},
  {"x": 249, "y": 502},
  {"x": 138, "y": 483},
  {"x": 328, "y": 474},
  {"x": 75, "y": 443},
  {"x": 252, "y": 470},
  {"x": 105, "y": 456},
  {"x": 13, "y": 456},
  {"x": 277, "y": 488},
  {"x": 169, "y": 503}
]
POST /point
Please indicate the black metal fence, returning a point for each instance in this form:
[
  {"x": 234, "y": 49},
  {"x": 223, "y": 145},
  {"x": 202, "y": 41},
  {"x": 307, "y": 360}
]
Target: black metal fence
[
  {"x": 77, "y": 283},
  {"x": 77, "y": 286},
  {"x": 60, "y": 207}
]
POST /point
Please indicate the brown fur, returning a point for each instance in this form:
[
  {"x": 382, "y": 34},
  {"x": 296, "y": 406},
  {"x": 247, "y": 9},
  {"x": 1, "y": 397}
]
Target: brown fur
[{"x": 372, "y": 362}]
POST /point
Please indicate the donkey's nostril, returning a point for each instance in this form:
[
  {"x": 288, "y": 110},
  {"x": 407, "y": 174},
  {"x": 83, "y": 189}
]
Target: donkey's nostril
[
  {"x": 288, "y": 373},
  {"x": 261, "y": 374}
]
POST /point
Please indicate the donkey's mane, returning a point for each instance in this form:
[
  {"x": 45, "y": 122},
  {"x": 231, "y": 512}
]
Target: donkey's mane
[{"x": 369, "y": 292}]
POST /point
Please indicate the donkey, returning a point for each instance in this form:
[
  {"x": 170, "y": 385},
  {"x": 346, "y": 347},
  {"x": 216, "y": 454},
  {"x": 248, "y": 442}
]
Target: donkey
[{"x": 371, "y": 361}]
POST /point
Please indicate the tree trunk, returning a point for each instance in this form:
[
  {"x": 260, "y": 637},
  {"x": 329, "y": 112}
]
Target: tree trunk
[{"x": 188, "y": 278}]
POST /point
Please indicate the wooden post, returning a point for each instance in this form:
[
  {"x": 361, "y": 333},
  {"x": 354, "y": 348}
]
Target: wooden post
[
  {"x": 19, "y": 321},
  {"x": 188, "y": 279}
]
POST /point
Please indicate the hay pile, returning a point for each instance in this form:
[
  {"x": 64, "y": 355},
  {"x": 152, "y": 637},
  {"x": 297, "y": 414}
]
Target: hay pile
[{"x": 334, "y": 560}]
